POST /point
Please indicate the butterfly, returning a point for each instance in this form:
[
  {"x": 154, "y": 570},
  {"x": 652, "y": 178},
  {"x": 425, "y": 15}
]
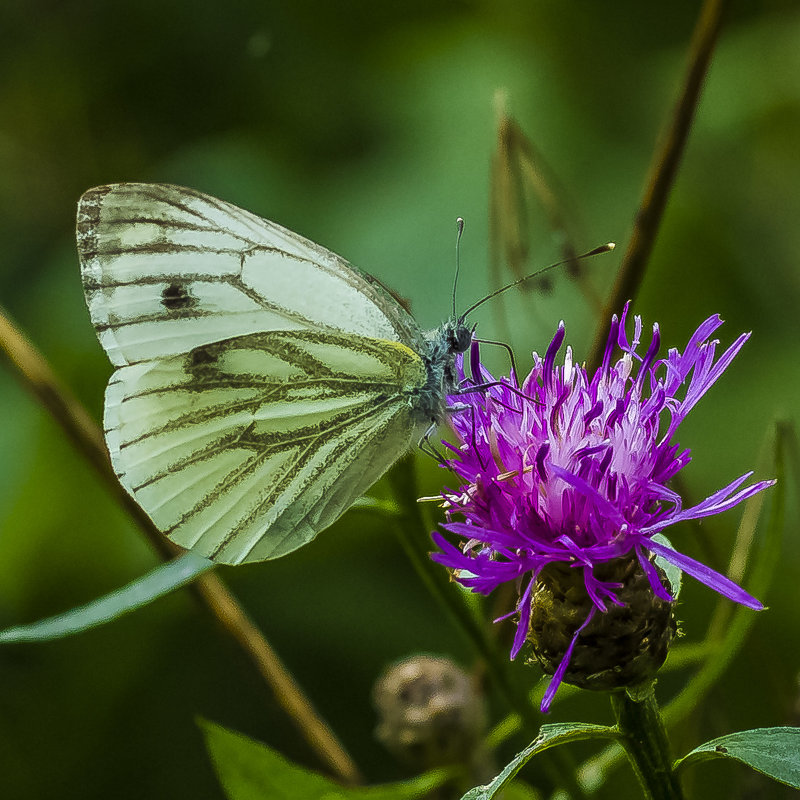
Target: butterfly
[{"x": 262, "y": 382}]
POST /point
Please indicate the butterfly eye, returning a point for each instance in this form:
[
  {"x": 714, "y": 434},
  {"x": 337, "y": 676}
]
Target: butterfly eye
[{"x": 460, "y": 339}]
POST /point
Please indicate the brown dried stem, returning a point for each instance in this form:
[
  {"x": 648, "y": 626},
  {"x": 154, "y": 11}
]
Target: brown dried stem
[
  {"x": 663, "y": 170},
  {"x": 37, "y": 377}
]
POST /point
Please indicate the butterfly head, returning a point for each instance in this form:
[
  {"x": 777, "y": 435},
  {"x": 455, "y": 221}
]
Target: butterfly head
[{"x": 457, "y": 335}]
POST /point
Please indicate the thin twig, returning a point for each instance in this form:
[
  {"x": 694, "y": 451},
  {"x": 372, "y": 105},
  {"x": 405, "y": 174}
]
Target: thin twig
[
  {"x": 663, "y": 170},
  {"x": 289, "y": 695},
  {"x": 37, "y": 377}
]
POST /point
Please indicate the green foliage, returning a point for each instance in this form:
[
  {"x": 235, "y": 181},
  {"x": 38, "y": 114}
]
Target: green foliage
[
  {"x": 773, "y": 751},
  {"x": 155, "y": 584},
  {"x": 549, "y": 736},
  {"x": 249, "y": 770},
  {"x": 672, "y": 572}
]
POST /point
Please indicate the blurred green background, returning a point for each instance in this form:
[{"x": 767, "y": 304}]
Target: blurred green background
[{"x": 369, "y": 127}]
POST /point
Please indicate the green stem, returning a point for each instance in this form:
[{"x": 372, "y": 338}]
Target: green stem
[
  {"x": 414, "y": 538},
  {"x": 646, "y": 744}
]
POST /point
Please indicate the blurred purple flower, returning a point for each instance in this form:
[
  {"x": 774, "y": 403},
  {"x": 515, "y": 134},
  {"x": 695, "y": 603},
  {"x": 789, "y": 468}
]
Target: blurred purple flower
[{"x": 569, "y": 469}]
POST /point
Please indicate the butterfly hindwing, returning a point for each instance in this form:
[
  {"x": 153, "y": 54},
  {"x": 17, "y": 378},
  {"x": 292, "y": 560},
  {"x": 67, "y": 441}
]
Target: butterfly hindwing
[
  {"x": 166, "y": 269},
  {"x": 244, "y": 449}
]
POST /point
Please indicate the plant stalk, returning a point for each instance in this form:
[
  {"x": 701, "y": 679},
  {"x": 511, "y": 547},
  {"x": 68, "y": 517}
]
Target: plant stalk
[
  {"x": 644, "y": 738},
  {"x": 414, "y": 538},
  {"x": 662, "y": 173}
]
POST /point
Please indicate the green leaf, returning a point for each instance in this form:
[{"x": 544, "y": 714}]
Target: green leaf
[
  {"x": 549, "y": 736},
  {"x": 672, "y": 572},
  {"x": 519, "y": 790},
  {"x": 386, "y": 508},
  {"x": 249, "y": 770},
  {"x": 156, "y": 583},
  {"x": 773, "y": 751}
]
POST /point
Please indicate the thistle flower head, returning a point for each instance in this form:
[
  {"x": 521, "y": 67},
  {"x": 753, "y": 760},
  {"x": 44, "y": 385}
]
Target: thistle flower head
[{"x": 567, "y": 475}]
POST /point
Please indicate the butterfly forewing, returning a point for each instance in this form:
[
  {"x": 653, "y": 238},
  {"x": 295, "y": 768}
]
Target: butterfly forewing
[{"x": 166, "y": 269}]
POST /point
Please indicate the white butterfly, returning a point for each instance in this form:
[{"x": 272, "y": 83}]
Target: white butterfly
[{"x": 262, "y": 382}]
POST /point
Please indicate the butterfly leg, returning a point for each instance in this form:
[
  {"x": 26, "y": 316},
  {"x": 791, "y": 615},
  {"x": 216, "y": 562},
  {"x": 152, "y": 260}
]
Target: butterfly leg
[
  {"x": 482, "y": 387},
  {"x": 475, "y": 359},
  {"x": 428, "y": 448}
]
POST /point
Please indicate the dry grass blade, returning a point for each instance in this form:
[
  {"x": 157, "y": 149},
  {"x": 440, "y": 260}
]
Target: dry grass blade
[{"x": 519, "y": 184}]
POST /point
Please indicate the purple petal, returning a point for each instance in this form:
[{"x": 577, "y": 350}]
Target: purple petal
[
  {"x": 550, "y": 355},
  {"x": 704, "y": 574},
  {"x": 659, "y": 590},
  {"x": 603, "y": 505},
  {"x": 713, "y": 504},
  {"x": 587, "y": 462},
  {"x": 555, "y": 681},
  {"x": 521, "y": 633},
  {"x": 610, "y": 342},
  {"x": 650, "y": 356},
  {"x": 713, "y": 374}
]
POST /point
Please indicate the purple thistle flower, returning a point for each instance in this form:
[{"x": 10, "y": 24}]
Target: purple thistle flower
[{"x": 570, "y": 470}]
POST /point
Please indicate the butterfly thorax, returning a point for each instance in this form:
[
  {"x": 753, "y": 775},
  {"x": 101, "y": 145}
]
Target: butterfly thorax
[{"x": 444, "y": 343}]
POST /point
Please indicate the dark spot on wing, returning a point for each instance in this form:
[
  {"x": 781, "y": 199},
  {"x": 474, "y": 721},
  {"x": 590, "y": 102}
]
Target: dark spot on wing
[
  {"x": 202, "y": 355},
  {"x": 176, "y": 297},
  {"x": 202, "y": 363}
]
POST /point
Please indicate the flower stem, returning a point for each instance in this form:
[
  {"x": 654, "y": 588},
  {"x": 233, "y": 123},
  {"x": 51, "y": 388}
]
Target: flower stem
[
  {"x": 414, "y": 537},
  {"x": 646, "y": 744}
]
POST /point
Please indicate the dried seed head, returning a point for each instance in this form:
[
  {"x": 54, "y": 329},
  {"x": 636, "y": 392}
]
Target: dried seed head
[{"x": 429, "y": 712}]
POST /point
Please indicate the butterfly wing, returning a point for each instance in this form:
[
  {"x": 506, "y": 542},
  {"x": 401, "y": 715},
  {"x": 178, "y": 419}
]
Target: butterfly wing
[
  {"x": 263, "y": 384},
  {"x": 245, "y": 449},
  {"x": 166, "y": 269}
]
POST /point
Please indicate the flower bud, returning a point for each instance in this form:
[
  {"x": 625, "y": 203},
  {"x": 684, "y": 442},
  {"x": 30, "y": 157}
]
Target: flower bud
[{"x": 624, "y": 646}]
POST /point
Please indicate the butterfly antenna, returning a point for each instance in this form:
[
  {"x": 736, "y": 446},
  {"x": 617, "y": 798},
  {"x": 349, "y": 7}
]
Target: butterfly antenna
[
  {"x": 605, "y": 248},
  {"x": 459, "y": 231}
]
